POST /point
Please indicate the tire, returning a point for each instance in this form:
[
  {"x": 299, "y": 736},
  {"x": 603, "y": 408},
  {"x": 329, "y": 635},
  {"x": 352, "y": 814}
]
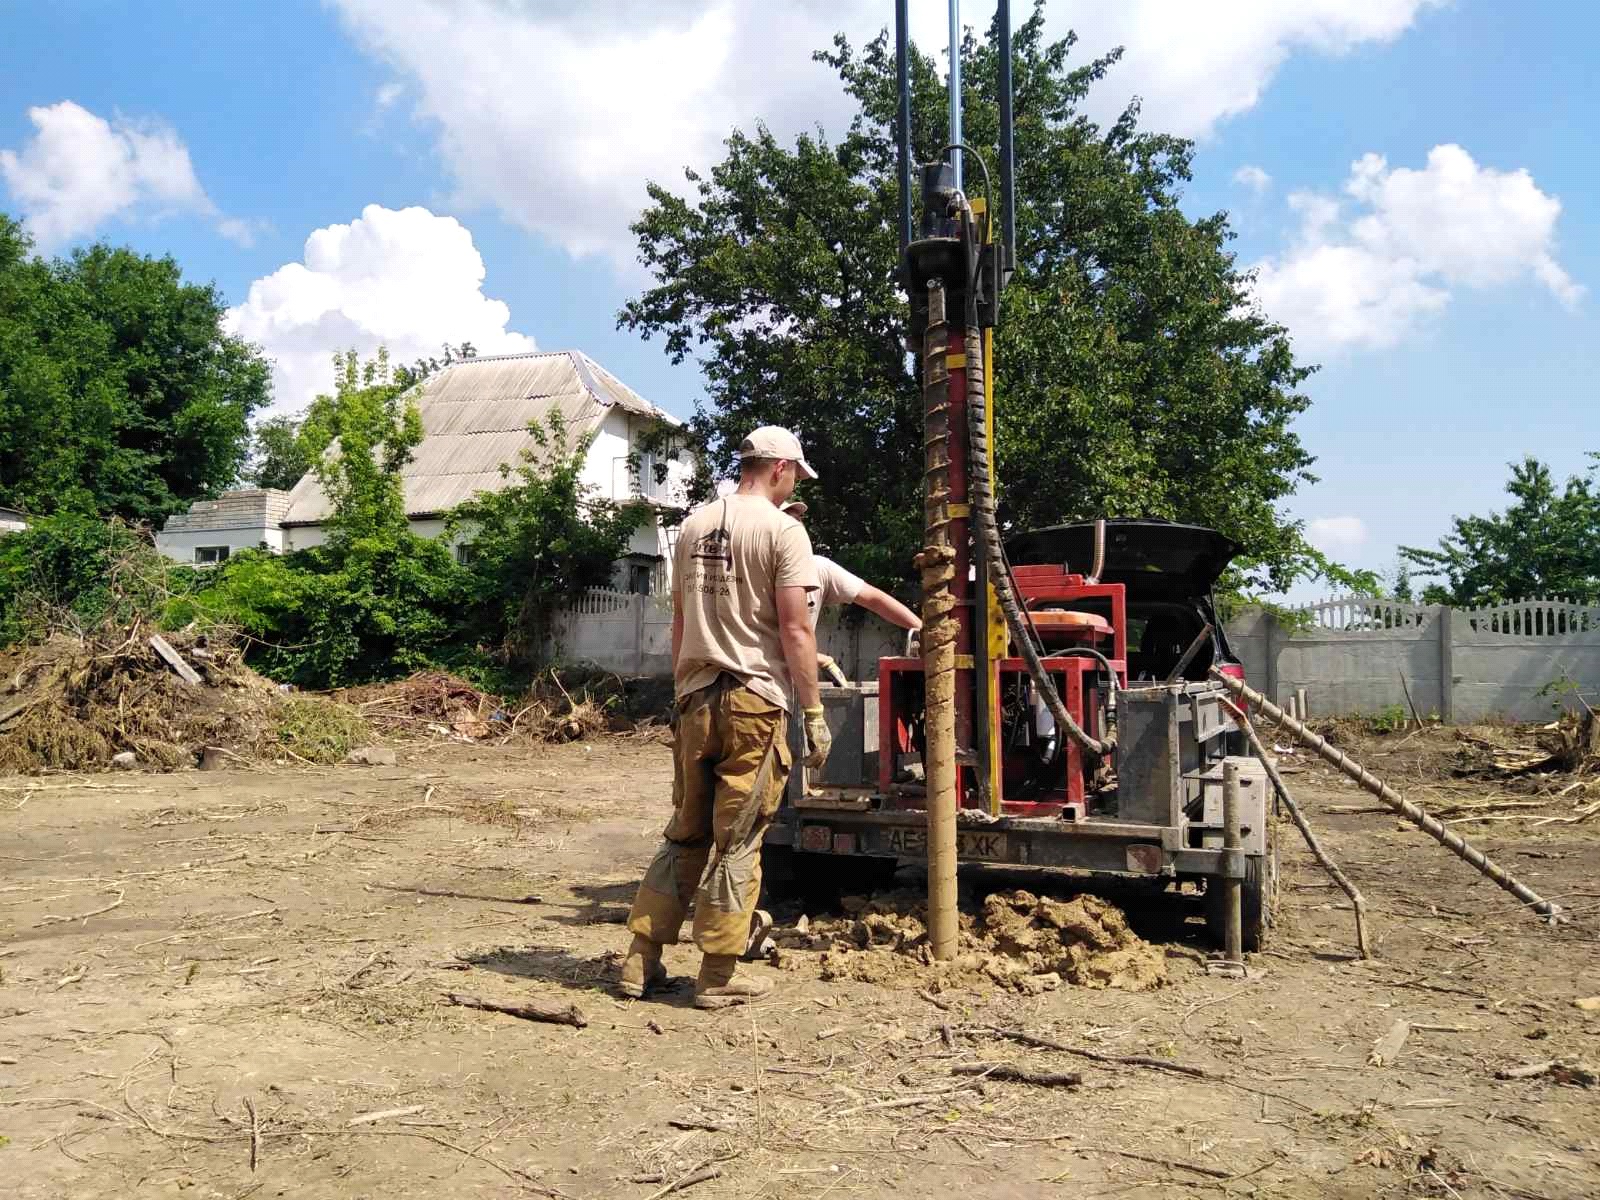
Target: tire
[{"x": 1258, "y": 903}]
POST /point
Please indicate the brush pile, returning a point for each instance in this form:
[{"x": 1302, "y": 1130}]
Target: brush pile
[
  {"x": 75, "y": 703},
  {"x": 560, "y": 706},
  {"x": 1570, "y": 745},
  {"x": 430, "y": 704}
]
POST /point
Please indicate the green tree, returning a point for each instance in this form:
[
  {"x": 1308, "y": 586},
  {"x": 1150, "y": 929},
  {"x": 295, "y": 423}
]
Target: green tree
[
  {"x": 539, "y": 543},
  {"x": 424, "y": 367},
  {"x": 278, "y": 455},
  {"x": 1546, "y": 543},
  {"x": 1134, "y": 378},
  {"x": 359, "y": 440},
  {"x": 120, "y": 393}
]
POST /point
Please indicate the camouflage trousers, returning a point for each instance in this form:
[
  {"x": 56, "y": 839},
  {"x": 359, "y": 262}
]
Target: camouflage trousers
[{"x": 731, "y": 762}]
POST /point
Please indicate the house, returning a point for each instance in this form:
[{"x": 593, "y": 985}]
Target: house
[{"x": 475, "y": 416}]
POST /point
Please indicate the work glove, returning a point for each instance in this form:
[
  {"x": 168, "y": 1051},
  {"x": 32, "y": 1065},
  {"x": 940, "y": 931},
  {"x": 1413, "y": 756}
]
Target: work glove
[
  {"x": 819, "y": 739},
  {"x": 825, "y": 663}
]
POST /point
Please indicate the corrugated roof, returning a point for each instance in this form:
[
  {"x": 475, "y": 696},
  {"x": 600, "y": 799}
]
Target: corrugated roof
[{"x": 475, "y": 417}]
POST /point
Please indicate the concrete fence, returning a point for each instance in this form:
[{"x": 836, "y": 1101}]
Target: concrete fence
[
  {"x": 1351, "y": 655},
  {"x": 1358, "y": 654},
  {"x": 632, "y": 635}
]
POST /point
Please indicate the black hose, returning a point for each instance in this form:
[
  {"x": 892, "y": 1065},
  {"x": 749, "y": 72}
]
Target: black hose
[{"x": 982, "y": 496}]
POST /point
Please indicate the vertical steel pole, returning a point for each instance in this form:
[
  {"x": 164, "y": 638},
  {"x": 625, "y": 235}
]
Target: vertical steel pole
[
  {"x": 955, "y": 86},
  {"x": 1232, "y": 886},
  {"x": 1008, "y": 173},
  {"x": 902, "y": 66}
]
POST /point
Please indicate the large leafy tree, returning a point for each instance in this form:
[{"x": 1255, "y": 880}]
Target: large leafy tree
[
  {"x": 120, "y": 393},
  {"x": 1134, "y": 378},
  {"x": 278, "y": 454},
  {"x": 1546, "y": 543}
]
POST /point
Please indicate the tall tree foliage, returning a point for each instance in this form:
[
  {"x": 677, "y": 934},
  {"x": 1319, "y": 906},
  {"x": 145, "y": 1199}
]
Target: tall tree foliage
[
  {"x": 278, "y": 455},
  {"x": 1134, "y": 378},
  {"x": 120, "y": 393},
  {"x": 539, "y": 543},
  {"x": 359, "y": 440},
  {"x": 1546, "y": 543}
]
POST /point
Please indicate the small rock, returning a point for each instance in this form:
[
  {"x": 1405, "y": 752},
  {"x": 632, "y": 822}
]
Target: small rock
[
  {"x": 372, "y": 756},
  {"x": 1587, "y": 1004},
  {"x": 125, "y": 761}
]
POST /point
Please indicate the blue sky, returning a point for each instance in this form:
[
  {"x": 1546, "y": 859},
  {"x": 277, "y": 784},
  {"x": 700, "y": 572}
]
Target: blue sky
[{"x": 1414, "y": 177}]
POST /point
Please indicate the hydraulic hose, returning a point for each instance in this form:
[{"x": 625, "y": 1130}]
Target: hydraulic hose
[{"x": 982, "y": 497}]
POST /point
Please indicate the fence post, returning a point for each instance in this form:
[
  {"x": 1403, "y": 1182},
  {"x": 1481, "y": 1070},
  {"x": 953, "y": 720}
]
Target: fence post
[
  {"x": 1447, "y": 702},
  {"x": 1271, "y": 639},
  {"x": 638, "y": 634}
]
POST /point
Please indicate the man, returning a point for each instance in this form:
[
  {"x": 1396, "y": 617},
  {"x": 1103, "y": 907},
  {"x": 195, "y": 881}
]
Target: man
[
  {"x": 741, "y": 641},
  {"x": 838, "y": 586}
]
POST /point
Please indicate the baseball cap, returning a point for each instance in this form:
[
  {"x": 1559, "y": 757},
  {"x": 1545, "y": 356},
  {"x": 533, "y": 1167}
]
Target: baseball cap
[
  {"x": 795, "y": 508},
  {"x": 773, "y": 441}
]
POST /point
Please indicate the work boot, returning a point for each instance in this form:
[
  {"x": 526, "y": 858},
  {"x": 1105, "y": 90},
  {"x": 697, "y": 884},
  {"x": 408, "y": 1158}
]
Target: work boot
[
  {"x": 760, "y": 944},
  {"x": 642, "y": 971},
  {"x": 717, "y": 988}
]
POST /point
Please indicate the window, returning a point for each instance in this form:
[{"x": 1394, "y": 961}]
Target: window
[
  {"x": 466, "y": 552},
  {"x": 210, "y": 556}
]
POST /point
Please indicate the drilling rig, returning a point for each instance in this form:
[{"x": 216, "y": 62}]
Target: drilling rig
[{"x": 1020, "y": 735}]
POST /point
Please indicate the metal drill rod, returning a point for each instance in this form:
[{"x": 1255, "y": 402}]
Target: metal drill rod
[
  {"x": 1430, "y": 825},
  {"x": 939, "y": 631}
]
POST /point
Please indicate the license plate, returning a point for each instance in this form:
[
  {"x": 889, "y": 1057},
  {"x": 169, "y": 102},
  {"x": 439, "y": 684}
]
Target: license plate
[{"x": 984, "y": 844}]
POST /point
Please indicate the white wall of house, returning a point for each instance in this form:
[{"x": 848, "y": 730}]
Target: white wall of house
[
  {"x": 248, "y": 518},
  {"x": 238, "y": 520}
]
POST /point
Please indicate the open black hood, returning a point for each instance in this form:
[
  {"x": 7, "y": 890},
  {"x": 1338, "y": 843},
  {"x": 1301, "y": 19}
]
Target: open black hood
[{"x": 1155, "y": 559}]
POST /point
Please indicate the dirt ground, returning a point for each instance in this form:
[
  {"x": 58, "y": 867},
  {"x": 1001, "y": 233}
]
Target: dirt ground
[{"x": 233, "y": 984}]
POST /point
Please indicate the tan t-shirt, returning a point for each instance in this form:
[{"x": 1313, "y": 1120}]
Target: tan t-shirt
[
  {"x": 732, "y": 557},
  {"x": 837, "y": 586}
]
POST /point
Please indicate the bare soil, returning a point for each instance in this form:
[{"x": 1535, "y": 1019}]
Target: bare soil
[{"x": 207, "y": 977}]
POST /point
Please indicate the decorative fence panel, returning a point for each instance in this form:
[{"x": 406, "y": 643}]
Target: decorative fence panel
[{"x": 1362, "y": 654}]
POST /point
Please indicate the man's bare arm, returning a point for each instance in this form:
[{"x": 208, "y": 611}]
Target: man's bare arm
[
  {"x": 677, "y": 635},
  {"x": 799, "y": 644},
  {"x": 874, "y": 600}
]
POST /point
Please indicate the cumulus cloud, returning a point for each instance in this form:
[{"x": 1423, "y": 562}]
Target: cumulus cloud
[
  {"x": 408, "y": 279},
  {"x": 78, "y": 170},
  {"x": 1254, "y": 178},
  {"x": 1337, "y": 536},
  {"x": 1367, "y": 267},
  {"x": 557, "y": 114},
  {"x": 1195, "y": 65}
]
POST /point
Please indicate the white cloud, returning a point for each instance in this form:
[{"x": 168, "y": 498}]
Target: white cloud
[
  {"x": 406, "y": 279},
  {"x": 1194, "y": 65},
  {"x": 1336, "y": 536},
  {"x": 79, "y": 169},
  {"x": 556, "y": 114},
  {"x": 387, "y": 94},
  {"x": 1254, "y": 178},
  {"x": 1365, "y": 270}
]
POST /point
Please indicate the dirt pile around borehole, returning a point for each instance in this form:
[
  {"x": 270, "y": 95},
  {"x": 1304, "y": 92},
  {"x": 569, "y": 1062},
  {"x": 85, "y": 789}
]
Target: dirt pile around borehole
[{"x": 1019, "y": 942}]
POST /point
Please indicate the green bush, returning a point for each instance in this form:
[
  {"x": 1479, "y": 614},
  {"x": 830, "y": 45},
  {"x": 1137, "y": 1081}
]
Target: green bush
[
  {"x": 74, "y": 571},
  {"x": 336, "y": 616}
]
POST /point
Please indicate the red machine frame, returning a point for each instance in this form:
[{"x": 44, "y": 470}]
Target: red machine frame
[{"x": 1076, "y": 678}]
